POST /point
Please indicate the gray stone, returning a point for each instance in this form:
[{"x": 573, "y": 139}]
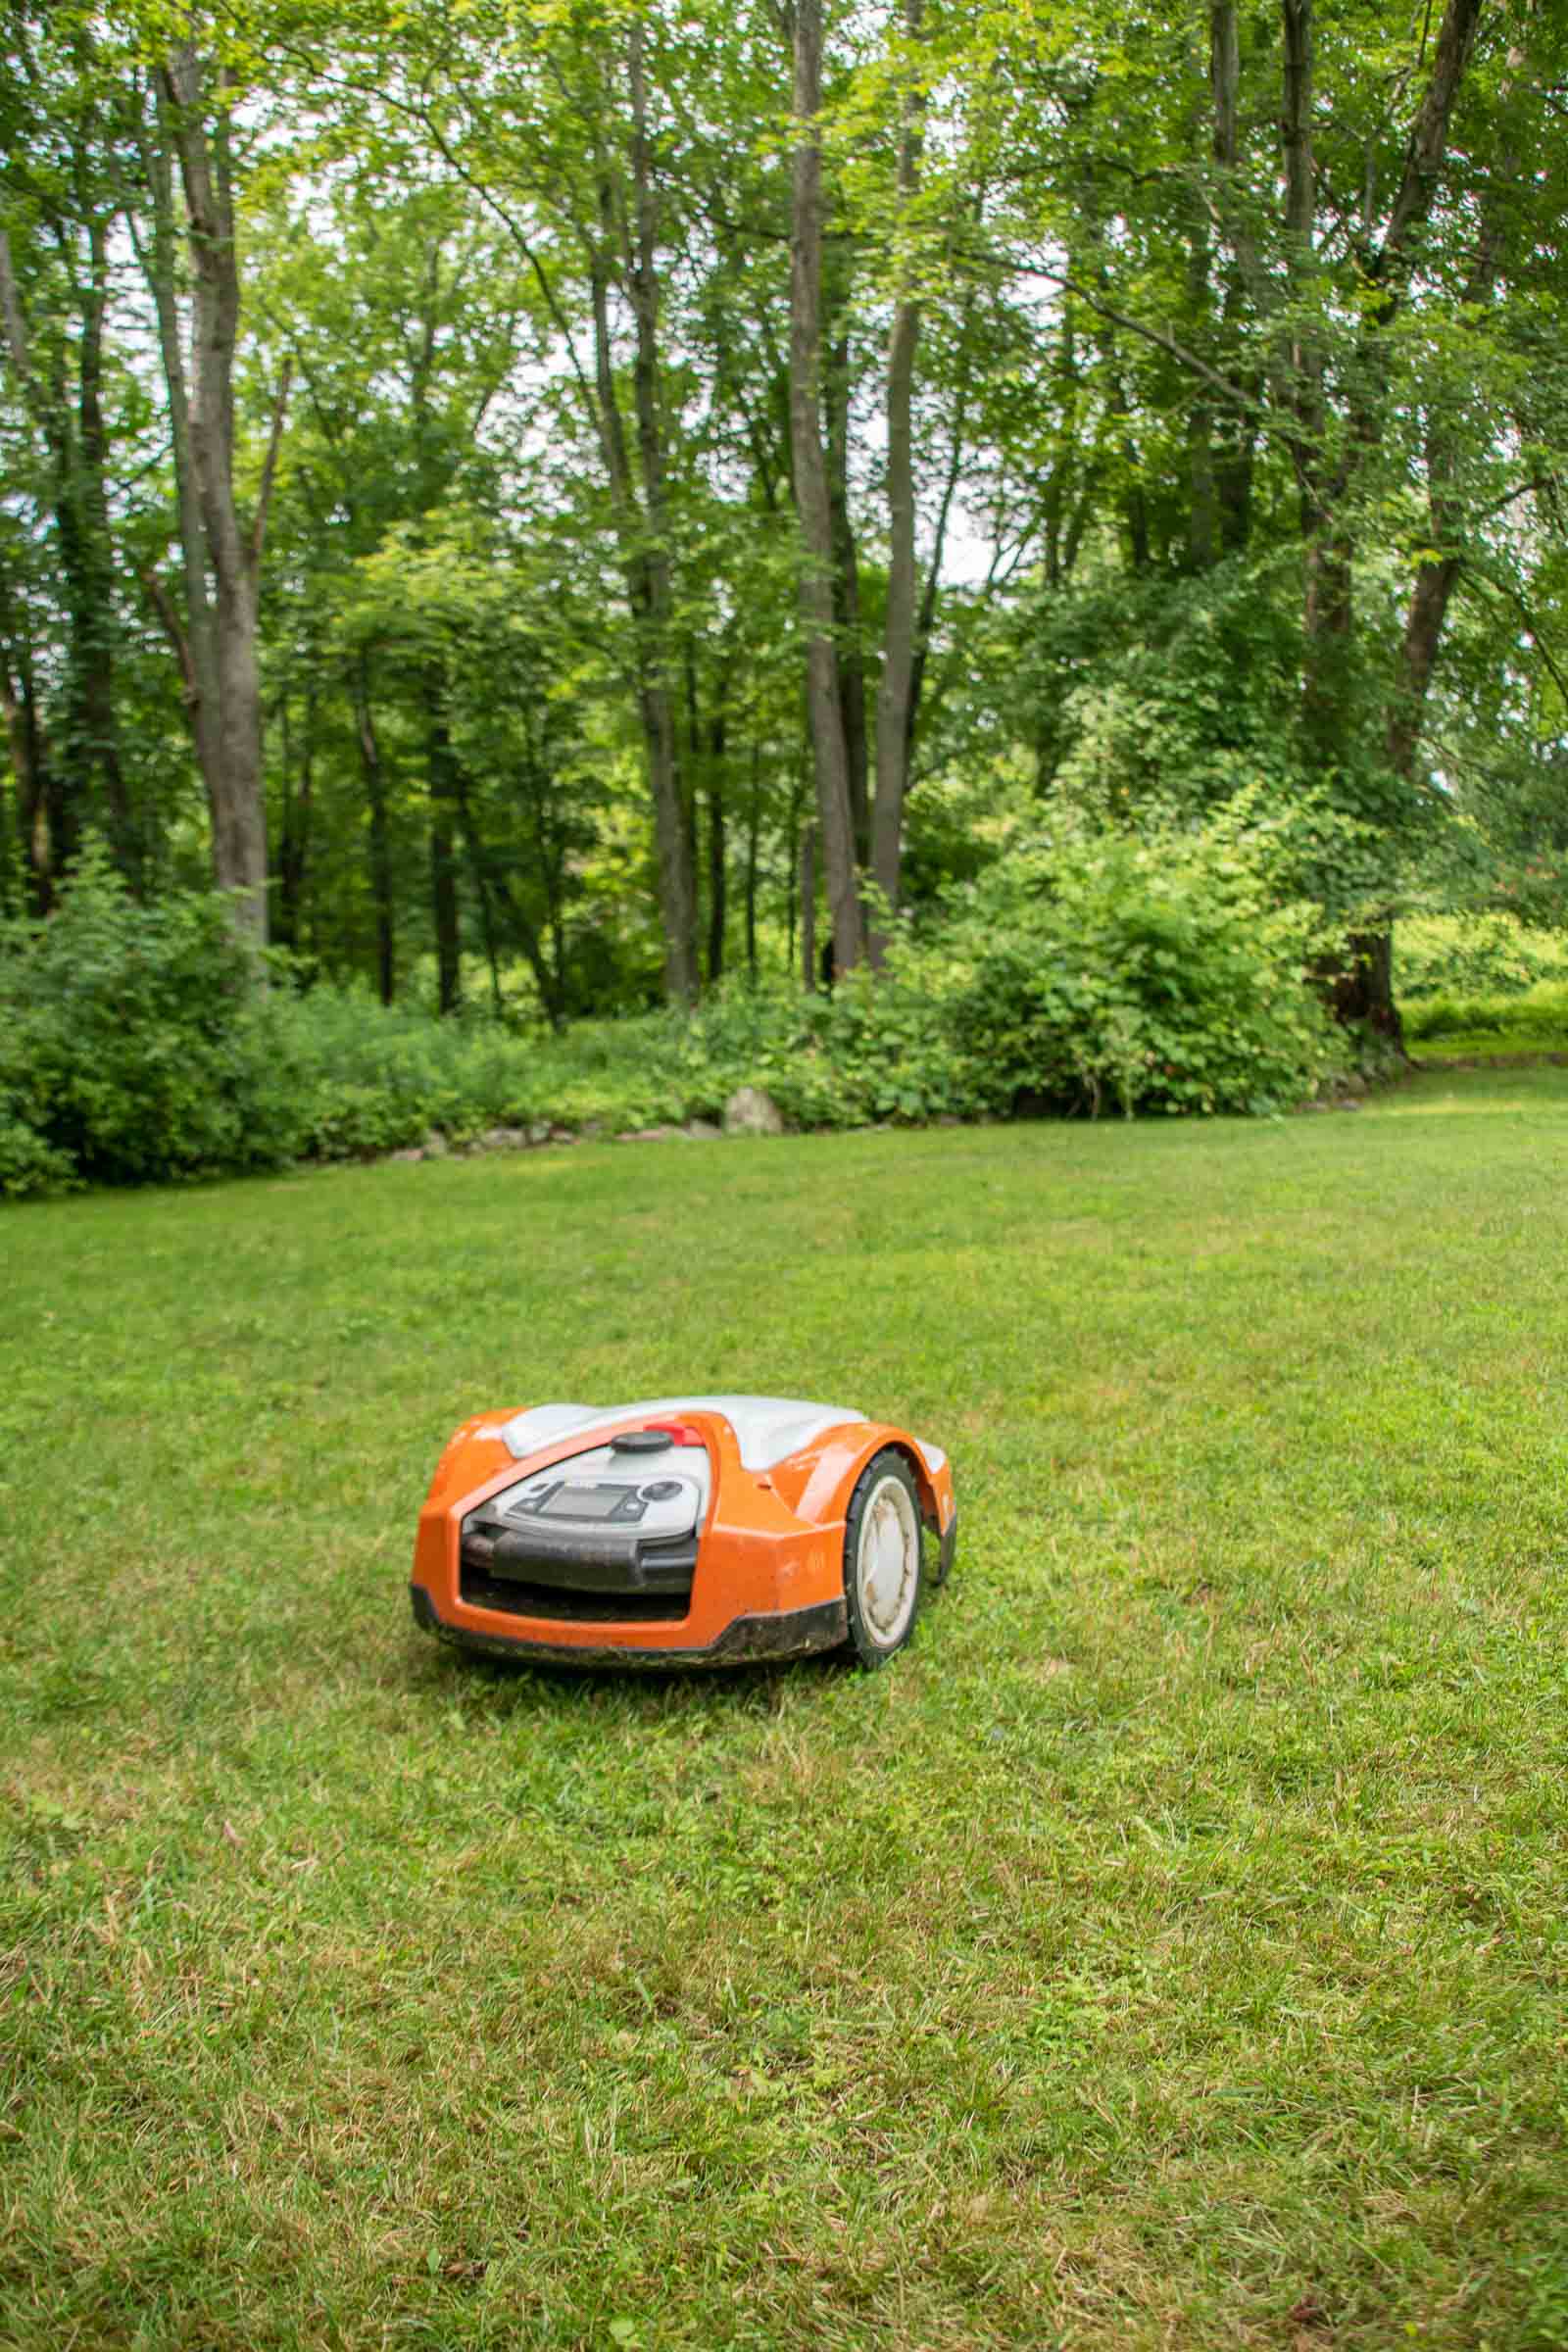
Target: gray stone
[
  {"x": 702, "y": 1131},
  {"x": 436, "y": 1145},
  {"x": 652, "y": 1135},
  {"x": 539, "y": 1132},
  {"x": 562, "y": 1135},
  {"x": 752, "y": 1111},
  {"x": 505, "y": 1139},
  {"x": 409, "y": 1151}
]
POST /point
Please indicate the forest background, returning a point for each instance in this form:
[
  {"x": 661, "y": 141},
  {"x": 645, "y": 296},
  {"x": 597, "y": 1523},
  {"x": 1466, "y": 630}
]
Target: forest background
[{"x": 554, "y": 508}]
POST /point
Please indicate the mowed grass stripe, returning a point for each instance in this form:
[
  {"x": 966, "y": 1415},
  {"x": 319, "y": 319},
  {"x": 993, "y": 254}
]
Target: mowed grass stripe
[{"x": 1169, "y": 1948}]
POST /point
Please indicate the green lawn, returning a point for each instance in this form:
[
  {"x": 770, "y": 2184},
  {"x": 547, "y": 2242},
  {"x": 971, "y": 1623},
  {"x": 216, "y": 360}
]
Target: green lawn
[{"x": 1170, "y": 1949}]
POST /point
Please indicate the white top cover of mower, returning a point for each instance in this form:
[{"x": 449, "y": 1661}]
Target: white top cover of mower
[{"x": 768, "y": 1429}]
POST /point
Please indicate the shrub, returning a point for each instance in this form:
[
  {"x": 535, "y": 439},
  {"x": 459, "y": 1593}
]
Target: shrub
[
  {"x": 129, "y": 1034},
  {"x": 1090, "y": 971},
  {"x": 1536, "y": 1018},
  {"x": 1101, "y": 971},
  {"x": 1453, "y": 956}
]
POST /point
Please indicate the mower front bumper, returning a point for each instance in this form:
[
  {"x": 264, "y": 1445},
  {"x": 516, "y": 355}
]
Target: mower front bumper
[{"x": 745, "y": 1640}]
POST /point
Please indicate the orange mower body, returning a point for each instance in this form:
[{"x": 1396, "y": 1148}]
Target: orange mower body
[{"x": 685, "y": 1531}]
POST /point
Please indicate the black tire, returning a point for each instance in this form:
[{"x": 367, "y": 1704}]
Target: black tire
[{"x": 881, "y": 1590}]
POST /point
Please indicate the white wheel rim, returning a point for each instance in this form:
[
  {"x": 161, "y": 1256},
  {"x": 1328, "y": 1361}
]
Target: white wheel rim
[{"x": 887, "y": 1562}]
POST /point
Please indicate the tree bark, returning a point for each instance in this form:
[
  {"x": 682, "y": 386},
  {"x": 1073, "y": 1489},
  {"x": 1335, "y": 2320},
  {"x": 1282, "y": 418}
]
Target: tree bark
[
  {"x": 826, "y": 715},
  {"x": 93, "y": 631},
  {"x": 30, "y": 756},
  {"x": 807, "y": 898},
  {"x": 753, "y": 823},
  {"x": 1436, "y": 578},
  {"x": 442, "y": 778},
  {"x": 895, "y": 691},
  {"x": 374, "y": 775},
  {"x": 240, "y": 817},
  {"x": 646, "y": 537},
  {"x": 1363, "y": 990},
  {"x": 717, "y": 866},
  {"x": 847, "y": 596},
  {"x": 293, "y": 852},
  {"x": 77, "y": 451}
]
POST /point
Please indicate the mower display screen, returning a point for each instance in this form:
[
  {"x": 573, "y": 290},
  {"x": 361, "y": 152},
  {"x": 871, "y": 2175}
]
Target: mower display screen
[{"x": 584, "y": 1503}]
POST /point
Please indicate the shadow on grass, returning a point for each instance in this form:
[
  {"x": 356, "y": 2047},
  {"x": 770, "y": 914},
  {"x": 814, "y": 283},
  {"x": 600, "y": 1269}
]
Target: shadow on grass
[{"x": 497, "y": 1690}]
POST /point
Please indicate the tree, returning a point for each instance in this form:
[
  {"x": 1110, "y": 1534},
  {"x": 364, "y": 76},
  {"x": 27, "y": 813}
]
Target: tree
[{"x": 219, "y": 648}]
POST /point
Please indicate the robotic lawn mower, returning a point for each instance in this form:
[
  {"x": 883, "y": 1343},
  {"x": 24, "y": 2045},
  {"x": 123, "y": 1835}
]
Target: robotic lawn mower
[{"x": 691, "y": 1531}]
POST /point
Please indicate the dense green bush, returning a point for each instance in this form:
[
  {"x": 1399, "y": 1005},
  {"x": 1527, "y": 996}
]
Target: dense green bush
[
  {"x": 1473, "y": 956},
  {"x": 1087, "y": 972},
  {"x": 1098, "y": 971},
  {"x": 130, "y": 1038},
  {"x": 1536, "y": 1018}
]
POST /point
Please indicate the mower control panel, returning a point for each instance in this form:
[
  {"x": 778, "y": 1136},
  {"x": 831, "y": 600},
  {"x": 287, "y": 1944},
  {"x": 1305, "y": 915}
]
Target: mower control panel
[
  {"x": 595, "y": 1501},
  {"x": 577, "y": 1494}
]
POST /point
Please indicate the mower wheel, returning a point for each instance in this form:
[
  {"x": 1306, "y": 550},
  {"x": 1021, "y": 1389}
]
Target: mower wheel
[{"x": 882, "y": 1558}]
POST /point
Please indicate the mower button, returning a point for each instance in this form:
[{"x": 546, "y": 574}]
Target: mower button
[{"x": 662, "y": 1489}]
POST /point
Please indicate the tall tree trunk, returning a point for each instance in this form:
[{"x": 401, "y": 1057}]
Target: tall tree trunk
[
  {"x": 753, "y": 821},
  {"x": 811, "y": 497},
  {"x": 717, "y": 871},
  {"x": 94, "y": 631},
  {"x": 895, "y": 692},
  {"x": 294, "y": 848},
  {"x": 550, "y": 976},
  {"x": 808, "y": 897},
  {"x": 374, "y": 775},
  {"x": 485, "y": 879},
  {"x": 78, "y": 459},
  {"x": 202, "y": 142},
  {"x": 1436, "y": 578},
  {"x": 847, "y": 596},
  {"x": 194, "y": 638},
  {"x": 1364, "y": 990},
  {"x": 30, "y": 756},
  {"x": 441, "y": 770},
  {"x": 652, "y": 593}
]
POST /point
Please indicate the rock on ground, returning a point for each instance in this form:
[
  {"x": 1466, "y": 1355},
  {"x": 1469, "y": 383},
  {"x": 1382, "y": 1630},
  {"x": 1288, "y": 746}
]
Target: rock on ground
[{"x": 752, "y": 1111}]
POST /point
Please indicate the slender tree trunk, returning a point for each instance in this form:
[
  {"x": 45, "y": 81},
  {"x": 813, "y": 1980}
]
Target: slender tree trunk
[
  {"x": 754, "y": 808},
  {"x": 441, "y": 770},
  {"x": 293, "y": 853},
  {"x": 374, "y": 775},
  {"x": 717, "y": 869},
  {"x": 1436, "y": 578},
  {"x": 24, "y": 744},
  {"x": 652, "y": 593},
  {"x": 1364, "y": 990},
  {"x": 482, "y": 874},
  {"x": 75, "y": 446},
  {"x": 239, "y": 827},
  {"x": 812, "y": 498},
  {"x": 30, "y": 756},
  {"x": 847, "y": 596},
  {"x": 895, "y": 692},
  {"x": 195, "y": 639},
  {"x": 808, "y": 894},
  {"x": 927, "y": 621},
  {"x": 95, "y": 630}
]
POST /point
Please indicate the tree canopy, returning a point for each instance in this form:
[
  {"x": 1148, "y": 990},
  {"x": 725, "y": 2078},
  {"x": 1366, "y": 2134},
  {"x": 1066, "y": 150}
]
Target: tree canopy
[{"x": 560, "y": 499}]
